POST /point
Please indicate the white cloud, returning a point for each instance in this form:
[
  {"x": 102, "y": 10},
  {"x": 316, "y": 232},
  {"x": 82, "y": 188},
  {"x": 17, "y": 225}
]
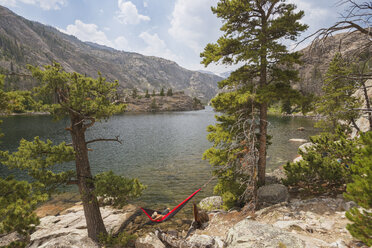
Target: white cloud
[
  {"x": 44, "y": 4},
  {"x": 121, "y": 43},
  {"x": 87, "y": 32},
  {"x": 128, "y": 13},
  {"x": 91, "y": 32},
  {"x": 156, "y": 46},
  {"x": 193, "y": 23},
  {"x": 145, "y": 4},
  {"x": 314, "y": 15},
  {"x": 11, "y": 3}
]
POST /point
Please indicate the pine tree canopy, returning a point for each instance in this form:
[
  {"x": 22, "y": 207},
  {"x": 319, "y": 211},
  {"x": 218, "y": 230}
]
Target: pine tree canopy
[
  {"x": 38, "y": 158},
  {"x": 253, "y": 34},
  {"x": 338, "y": 103},
  {"x": 77, "y": 94},
  {"x": 18, "y": 199},
  {"x": 84, "y": 101},
  {"x": 360, "y": 191}
]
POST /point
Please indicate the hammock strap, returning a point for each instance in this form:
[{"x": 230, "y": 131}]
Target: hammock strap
[{"x": 171, "y": 213}]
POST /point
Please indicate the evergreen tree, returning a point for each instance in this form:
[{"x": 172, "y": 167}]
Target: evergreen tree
[
  {"x": 134, "y": 93},
  {"x": 162, "y": 92},
  {"x": 84, "y": 101},
  {"x": 360, "y": 191},
  {"x": 3, "y": 96},
  {"x": 18, "y": 199},
  {"x": 153, "y": 106},
  {"x": 337, "y": 105},
  {"x": 169, "y": 92},
  {"x": 253, "y": 31},
  {"x": 147, "y": 95},
  {"x": 153, "y": 92}
]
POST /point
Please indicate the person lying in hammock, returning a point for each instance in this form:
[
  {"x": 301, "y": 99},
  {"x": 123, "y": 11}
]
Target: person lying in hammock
[{"x": 156, "y": 216}]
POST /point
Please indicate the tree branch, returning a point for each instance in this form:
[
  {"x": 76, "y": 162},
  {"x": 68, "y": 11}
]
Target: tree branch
[
  {"x": 71, "y": 182},
  {"x": 102, "y": 139}
]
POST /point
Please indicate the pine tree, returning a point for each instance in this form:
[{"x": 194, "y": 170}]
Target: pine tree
[
  {"x": 162, "y": 92},
  {"x": 18, "y": 199},
  {"x": 134, "y": 93},
  {"x": 3, "y": 96},
  {"x": 337, "y": 105},
  {"x": 253, "y": 31},
  {"x": 169, "y": 92},
  {"x": 360, "y": 191},
  {"x": 147, "y": 95},
  {"x": 153, "y": 106},
  {"x": 153, "y": 93},
  {"x": 84, "y": 101}
]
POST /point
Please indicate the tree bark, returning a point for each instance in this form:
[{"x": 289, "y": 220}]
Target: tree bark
[
  {"x": 264, "y": 105},
  {"x": 92, "y": 213},
  {"x": 262, "y": 143},
  {"x": 368, "y": 104}
]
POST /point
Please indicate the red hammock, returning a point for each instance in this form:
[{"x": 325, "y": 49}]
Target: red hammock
[{"x": 171, "y": 213}]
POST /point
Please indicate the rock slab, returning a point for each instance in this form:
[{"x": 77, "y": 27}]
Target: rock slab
[
  {"x": 272, "y": 194},
  {"x": 70, "y": 230},
  {"x": 149, "y": 241},
  {"x": 211, "y": 203},
  {"x": 248, "y": 233}
]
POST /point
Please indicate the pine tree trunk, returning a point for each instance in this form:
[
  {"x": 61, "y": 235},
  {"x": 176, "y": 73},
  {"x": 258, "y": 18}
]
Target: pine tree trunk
[
  {"x": 263, "y": 111},
  {"x": 368, "y": 104},
  {"x": 262, "y": 143},
  {"x": 92, "y": 213}
]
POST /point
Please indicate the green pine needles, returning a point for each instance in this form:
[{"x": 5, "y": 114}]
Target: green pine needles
[
  {"x": 338, "y": 104},
  {"x": 253, "y": 32},
  {"x": 325, "y": 166},
  {"x": 84, "y": 101},
  {"x": 360, "y": 191}
]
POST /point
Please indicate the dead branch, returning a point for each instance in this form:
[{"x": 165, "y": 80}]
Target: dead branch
[
  {"x": 357, "y": 18},
  {"x": 172, "y": 241},
  {"x": 102, "y": 139}
]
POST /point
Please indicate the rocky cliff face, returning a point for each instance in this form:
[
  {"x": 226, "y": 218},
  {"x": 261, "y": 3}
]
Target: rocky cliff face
[
  {"x": 316, "y": 58},
  {"x": 26, "y": 42}
]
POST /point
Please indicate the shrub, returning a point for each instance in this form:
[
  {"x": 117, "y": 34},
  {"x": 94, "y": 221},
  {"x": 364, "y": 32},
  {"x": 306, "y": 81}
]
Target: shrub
[
  {"x": 134, "y": 93},
  {"x": 169, "y": 92},
  {"x": 20, "y": 101},
  {"x": 326, "y": 164},
  {"x": 360, "y": 191},
  {"x": 122, "y": 240},
  {"x": 153, "y": 105},
  {"x": 147, "y": 95}
]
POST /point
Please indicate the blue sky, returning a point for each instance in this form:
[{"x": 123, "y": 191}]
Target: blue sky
[{"x": 173, "y": 29}]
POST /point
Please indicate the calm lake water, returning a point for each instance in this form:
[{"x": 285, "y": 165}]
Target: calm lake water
[{"x": 163, "y": 150}]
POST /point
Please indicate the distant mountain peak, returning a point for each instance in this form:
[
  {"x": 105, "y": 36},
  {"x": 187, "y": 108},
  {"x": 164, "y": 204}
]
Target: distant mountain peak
[{"x": 26, "y": 42}]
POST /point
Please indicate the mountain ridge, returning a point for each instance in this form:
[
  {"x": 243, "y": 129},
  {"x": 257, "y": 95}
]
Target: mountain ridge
[{"x": 27, "y": 42}]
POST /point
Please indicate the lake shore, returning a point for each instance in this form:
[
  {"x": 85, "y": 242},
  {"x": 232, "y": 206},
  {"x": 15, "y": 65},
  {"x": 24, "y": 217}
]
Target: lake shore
[{"x": 315, "y": 222}]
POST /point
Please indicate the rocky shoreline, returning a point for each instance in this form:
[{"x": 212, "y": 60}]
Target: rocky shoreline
[
  {"x": 177, "y": 102},
  {"x": 283, "y": 221}
]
